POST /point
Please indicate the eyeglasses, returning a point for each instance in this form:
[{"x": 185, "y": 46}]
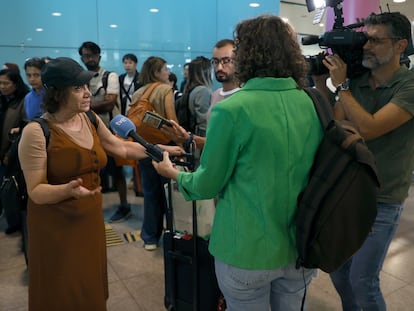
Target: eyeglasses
[
  {"x": 88, "y": 56},
  {"x": 378, "y": 41},
  {"x": 223, "y": 61}
]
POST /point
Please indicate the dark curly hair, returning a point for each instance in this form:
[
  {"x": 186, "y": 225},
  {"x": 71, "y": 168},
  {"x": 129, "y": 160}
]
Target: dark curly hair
[{"x": 266, "y": 46}]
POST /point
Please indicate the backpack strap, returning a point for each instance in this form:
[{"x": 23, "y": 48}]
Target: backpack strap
[
  {"x": 323, "y": 109},
  {"x": 45, "y": 128},
  {"x": 92, "y": 117},
  {"x": 104, "y": 86},
  {"x": 45, "y": 125}
]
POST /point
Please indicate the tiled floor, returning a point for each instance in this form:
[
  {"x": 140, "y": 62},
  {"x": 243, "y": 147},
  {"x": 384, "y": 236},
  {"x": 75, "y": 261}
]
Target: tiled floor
[{"x": 136, "y": 279}]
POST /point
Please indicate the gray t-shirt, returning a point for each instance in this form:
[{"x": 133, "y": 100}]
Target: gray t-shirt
[{"x": 394, "y": 151}]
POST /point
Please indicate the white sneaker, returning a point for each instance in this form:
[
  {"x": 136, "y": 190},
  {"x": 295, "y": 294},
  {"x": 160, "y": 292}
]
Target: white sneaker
[{"x": 150, "y": 247}]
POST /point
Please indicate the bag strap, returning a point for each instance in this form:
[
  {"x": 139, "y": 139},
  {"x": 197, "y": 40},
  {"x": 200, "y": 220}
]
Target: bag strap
[
  {"x": 149, "y": 90},
  {"x": 323, "y": 109}
]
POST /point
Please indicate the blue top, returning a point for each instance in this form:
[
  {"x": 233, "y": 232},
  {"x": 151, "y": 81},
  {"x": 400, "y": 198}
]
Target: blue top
[
  {"x": 260, "y": 146},
  {"x": 32, "y": 103}
]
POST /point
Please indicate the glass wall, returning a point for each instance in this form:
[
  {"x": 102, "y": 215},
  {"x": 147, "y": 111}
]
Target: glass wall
[{"x": 175, "y": 30}]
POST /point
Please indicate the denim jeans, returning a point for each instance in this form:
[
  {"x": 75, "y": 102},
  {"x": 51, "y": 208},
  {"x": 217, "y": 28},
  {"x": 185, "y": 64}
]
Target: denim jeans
[
  {"x": 258, "y": 290},
  {"x": 357, "y": 281},
  {"x": 154, "y": 202}
]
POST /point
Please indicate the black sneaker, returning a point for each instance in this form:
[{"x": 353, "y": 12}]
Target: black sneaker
[
  {"x": 12, "y": 229},
  {"x": 122, "y": 213}
]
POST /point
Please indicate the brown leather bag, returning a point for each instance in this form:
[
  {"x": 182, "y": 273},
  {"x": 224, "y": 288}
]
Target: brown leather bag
[{"x": 136, "y": 113}]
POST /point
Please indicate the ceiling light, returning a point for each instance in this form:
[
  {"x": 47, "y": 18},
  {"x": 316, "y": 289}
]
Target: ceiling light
[
  {"x": 113, "y": 26},
  {"x": 254, "y": 4},
  {"x": 399, "y": 1},
  {"x": 154, "y": 10},
  {"x": 39, "y": 29},
  {"x": 319, "y": 3},
  {"x": 56, "y": 14}
]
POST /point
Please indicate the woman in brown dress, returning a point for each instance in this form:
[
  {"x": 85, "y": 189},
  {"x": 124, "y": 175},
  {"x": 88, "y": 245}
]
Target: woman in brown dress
[{"x": 67, "y": 251}]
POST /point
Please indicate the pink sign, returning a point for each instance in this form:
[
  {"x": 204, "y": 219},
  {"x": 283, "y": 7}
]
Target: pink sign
[{"x": 354, "y": 11}]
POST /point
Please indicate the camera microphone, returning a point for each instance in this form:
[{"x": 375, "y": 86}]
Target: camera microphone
[
  {"x": 123, "y": 127},
  {"x": 309, "y": 40}
]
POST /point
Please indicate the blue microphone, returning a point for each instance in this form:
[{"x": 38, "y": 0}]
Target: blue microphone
[{"x": 124, "y": 127}]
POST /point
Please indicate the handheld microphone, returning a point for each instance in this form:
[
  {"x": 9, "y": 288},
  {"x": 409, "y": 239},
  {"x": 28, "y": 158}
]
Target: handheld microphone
[{"x": 124, "y": 127}]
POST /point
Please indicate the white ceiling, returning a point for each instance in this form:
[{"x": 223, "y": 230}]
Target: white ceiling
[{"x": 301, "y": 19}]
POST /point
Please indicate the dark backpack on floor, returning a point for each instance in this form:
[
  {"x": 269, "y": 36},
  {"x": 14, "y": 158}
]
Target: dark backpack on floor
[{"x": 338, "y": 207}]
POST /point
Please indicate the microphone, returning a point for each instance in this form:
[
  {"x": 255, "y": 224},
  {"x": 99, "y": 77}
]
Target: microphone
[
  {"x": 123, "y": 127},
  {"x": 309, "y": 40}
]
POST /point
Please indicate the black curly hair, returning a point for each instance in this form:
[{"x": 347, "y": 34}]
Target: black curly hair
[{"x": 266, "y": 46}]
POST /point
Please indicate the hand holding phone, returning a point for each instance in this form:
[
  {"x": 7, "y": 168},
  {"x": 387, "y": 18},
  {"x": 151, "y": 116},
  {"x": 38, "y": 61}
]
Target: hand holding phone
[{"x": 155, "y": 120}]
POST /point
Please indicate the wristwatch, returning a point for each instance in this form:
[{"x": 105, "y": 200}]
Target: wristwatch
[{"x": 344, "y": 86}]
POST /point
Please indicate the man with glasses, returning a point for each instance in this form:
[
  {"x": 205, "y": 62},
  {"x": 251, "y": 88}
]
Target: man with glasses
[
  {"x": 380, "y": 103},
  {"x": 222, "y": 62},
  {"x": 223, "y": 65},
  {"x": 104, "y": 101}
]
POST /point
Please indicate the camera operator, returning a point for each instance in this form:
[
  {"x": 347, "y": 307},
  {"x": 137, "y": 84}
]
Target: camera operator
[{"x": 380, "y": 103}]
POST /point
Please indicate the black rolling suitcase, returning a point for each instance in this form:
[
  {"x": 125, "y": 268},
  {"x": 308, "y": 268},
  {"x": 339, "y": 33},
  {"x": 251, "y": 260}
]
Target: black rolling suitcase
[{"x": 190, "y": 280}]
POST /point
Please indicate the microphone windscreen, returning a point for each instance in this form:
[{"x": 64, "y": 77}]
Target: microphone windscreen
[
  {"x": 309, "y": 40},
  {"x": 122, "y": 126}
]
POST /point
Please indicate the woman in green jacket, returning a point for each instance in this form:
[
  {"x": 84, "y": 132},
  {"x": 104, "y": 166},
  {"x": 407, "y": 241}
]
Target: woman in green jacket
[{"x": 260, "y": 146}]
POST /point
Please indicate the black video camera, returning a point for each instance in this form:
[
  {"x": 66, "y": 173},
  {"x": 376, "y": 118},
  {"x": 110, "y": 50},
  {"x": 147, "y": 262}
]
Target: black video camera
[{"x": 342, "y": 40}]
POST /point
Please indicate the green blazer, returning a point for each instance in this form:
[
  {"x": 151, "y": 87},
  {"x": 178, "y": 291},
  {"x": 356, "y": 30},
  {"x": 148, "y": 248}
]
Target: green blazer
[{"x": 259, "y": 148}]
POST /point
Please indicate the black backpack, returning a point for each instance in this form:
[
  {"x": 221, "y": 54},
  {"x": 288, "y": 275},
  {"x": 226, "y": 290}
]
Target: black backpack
[
  {"x": 182, "y": 110},
  {"x": 338, "y": 207}
]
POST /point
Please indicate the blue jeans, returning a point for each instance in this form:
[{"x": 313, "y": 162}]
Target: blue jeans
[
  {"x": 357, "y": 281},
  {"x": 154, "y": 202},
  {"x": 255, "y": 290}
]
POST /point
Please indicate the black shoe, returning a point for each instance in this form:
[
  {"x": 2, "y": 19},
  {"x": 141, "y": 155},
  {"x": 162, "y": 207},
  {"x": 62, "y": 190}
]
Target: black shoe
[
  {"x": 122, "y": 213},
  {"x": 12, "y": 229}
]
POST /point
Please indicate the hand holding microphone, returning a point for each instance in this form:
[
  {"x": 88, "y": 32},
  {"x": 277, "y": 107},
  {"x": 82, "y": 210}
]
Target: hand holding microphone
[{"x": 124, "y": 127}]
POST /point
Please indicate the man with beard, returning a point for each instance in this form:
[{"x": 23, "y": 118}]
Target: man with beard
[
  {"x": 104, "y": 102},
  {"x": 380, "y": 103},
  {"x": 222, "y": 62}
]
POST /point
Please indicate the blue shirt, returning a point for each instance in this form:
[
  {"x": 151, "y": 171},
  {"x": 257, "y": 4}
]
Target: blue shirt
[{"x": 32, "y": 103}]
